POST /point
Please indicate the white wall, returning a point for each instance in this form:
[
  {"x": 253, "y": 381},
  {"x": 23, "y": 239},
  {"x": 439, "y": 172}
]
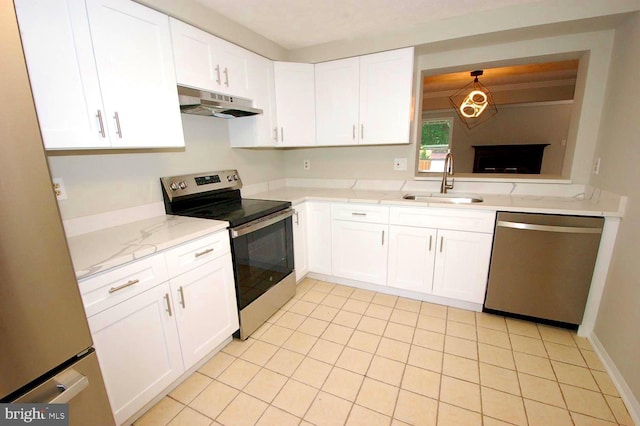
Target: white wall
[
  {"x": 515, "y": 125},
  {"x": 106, "y": 181},
  {"x": 618, "y": 145}
]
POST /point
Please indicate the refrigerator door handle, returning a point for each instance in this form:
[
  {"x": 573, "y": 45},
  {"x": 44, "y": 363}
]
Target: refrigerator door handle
[{"x": 71, "y": 383}]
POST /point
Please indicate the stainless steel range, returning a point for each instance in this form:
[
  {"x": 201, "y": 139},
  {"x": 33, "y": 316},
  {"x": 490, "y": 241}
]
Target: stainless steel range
[{"x": 261, "y": 239}]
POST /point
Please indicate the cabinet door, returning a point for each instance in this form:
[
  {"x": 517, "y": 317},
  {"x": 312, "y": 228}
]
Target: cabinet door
[
  {"x": 300, "y": 240},
  {"x": 359, "y": 251},
  {"x": 232, "y": 63},
  {"x": 62, "y": 71},
  {"x": 132, "y": 47},
  {"x": 295, "y": 103},
  {"x": 206, "y": 310},
  {"x": 194, "y": 57},
  {"x": 138, "y": 349},
  {"x": 319, "y": 237},
  {"x": 386, "y": 82},
  {"x": 337, "y": 120},
  {"x": 257, "y": 130},
  {"x": 462, "y": 265},
  {"x": 411, "y": 258}
]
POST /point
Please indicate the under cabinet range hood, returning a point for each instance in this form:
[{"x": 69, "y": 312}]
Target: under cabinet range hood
[{"x": 194, "y": 101}]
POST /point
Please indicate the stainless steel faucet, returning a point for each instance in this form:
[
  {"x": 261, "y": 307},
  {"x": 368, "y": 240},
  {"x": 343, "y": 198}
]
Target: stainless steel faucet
[{"x": 448, "y": 171}]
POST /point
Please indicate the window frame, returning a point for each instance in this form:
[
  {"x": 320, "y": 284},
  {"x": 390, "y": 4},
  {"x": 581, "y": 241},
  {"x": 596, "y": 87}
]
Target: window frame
[{"x": 423, "y": 122}]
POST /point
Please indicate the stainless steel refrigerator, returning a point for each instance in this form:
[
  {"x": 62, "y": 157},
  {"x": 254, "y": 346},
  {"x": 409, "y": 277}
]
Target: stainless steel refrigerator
[{"x": 46, "y": 350}]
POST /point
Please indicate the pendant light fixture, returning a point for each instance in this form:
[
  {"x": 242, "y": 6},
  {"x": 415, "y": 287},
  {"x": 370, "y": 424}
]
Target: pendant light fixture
[{"x": 473, "y": 103}]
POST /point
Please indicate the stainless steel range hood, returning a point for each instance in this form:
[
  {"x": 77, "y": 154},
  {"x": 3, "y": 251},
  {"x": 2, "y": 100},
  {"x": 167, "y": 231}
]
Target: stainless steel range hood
[{"x": 194, "y": 101}]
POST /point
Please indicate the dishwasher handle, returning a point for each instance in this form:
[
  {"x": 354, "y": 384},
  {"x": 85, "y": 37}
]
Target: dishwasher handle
[{"x": 548, "y": 228}]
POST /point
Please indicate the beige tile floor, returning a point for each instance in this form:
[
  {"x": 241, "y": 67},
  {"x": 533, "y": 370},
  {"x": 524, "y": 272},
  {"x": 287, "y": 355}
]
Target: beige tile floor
[{"x": 336, "y": 355}]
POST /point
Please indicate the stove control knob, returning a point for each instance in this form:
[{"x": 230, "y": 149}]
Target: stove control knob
[
  {"x": 182, "y": 184},
  {"x": 235, "y": 177},
  {"x": 173, "y": 186},
  {"x": 229, "y": 178}
]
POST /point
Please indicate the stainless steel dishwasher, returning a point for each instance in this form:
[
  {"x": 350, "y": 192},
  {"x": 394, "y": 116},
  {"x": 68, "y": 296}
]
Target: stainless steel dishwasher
[{"x": 541, "y": 265}]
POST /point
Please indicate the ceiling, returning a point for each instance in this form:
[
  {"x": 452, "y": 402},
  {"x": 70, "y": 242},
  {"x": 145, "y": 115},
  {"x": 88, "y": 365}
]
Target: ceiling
[
  {"x": 547, "y": 73},
  {"x": 295, "y": 24},
  {"x": 516, "y": 84}
]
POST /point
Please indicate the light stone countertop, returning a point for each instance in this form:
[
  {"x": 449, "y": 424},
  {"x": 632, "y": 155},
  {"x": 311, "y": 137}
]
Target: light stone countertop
[
  {"x": 603, "y": 206},
  {"x": 98, "y": 251}
]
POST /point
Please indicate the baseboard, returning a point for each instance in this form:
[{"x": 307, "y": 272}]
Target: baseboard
[
  {"x": 461, "y": 304},
  {"x": 621, "y": 384}
]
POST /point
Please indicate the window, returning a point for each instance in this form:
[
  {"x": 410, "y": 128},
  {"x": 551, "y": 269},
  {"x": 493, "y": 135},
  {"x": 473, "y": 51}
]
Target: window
[{"x": 435, "y": 142}]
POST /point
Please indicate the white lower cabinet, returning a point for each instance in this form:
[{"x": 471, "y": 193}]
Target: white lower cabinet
[
  {"x": 153, "y": 321},
  {"x": 300, "y": 240},
  {"x": 411, "y": 257},
  {"x": 205, "y": 308},
  {"x": 445, "y": 252},
  {"x": 359, "y": 241},
  {"x": 462, "y": 265},
  {"x": 319, "y": 236},
  {"x": 359, "y": 251},
  {"x": 441, "y": 252},
  {"x": 138, "y": 349}
]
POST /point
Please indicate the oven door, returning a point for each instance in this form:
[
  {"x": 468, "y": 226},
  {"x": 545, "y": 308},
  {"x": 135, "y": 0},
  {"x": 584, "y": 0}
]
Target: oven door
[{"x": 262, "y": 255}]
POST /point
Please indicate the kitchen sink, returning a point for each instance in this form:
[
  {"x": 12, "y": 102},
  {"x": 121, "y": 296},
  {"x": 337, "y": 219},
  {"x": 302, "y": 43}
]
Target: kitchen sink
[{"x": 444, "y": 198}]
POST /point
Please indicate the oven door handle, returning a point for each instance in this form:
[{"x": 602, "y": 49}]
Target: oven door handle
[{"x": 261, "y": 223}]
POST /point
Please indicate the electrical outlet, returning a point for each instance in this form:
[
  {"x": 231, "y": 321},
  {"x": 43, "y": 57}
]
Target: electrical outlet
[
  {"x": 596, "y": 166},
  {"x": 306, "y": 165},
  {"x": 58, "y": 188},
  {"x": 400, "y": 164}
]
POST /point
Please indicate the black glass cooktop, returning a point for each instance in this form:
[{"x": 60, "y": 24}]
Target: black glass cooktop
[{"x": 236, "y": 212}]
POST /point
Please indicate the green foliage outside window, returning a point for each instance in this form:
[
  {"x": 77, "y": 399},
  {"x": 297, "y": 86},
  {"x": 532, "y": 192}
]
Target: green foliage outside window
[{"x": 435, "y": 136}]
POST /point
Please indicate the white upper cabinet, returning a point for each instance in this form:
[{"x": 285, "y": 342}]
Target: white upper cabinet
[
  {"x": 337, "y": 102},
  {"x": 365, "y": 100},
  {"x": 295, "y": 104},
  {"x": 102, "y": 74},
  {"x": 257, "y": 130},
  {"x": 132, "y": 46},
  {"x": 206, "y": 62},
  {"x": 386, "y": 81}
]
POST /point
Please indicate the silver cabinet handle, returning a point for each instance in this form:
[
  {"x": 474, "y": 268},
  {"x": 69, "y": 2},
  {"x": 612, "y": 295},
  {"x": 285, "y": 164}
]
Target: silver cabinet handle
[
  {"x": 358, "y": 214},
  {"x": 281, "y": 134},
  {"x": 202, "y": 253},
  {"x": 118, "y": 129},
  {"x": 125, "y": 285},
  {"x": 297, "y": 218},
  {"x": 218, "y": 80},
  {"x": 181, "y": 291},
  {"x": 430, "y": 241},
  {"x": 362, "y": 131},
  {"x": 383, "y": 237},
  {"x": 71, "y": 383},
  {"x": 99, "y": 117},
  {"x": 354, "y": 132},
  {"x": 168, "y": 300},
  {"x": 441, "y": 243},
  {"x": 226, "y": 77}
]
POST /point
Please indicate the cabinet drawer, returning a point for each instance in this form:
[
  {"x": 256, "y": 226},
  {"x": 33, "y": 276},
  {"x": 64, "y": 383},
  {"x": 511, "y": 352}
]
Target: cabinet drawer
[
  {"x": 195, "y": 253},
  {"x": 454, "y": 219},
  {"x": 112, "y": 287},
  {"x": 360, "y": 213}
]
